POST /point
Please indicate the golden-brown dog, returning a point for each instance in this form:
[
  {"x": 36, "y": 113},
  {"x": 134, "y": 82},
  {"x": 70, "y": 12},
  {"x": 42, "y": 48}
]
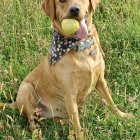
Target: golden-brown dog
[{"x": 58, "y": 89}]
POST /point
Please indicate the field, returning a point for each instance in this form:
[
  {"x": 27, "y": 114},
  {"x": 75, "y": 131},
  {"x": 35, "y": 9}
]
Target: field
[{"x": 25, "y": 35}]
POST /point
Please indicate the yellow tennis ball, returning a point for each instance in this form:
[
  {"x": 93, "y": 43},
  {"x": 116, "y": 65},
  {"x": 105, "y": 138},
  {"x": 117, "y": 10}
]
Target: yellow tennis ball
[{"x": 70, "y": 26}]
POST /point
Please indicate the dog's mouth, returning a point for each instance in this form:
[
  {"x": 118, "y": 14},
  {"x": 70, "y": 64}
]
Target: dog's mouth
[{"x": 83, "y": 30}]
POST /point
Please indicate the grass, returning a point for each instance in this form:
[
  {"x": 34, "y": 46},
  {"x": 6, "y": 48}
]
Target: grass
[{"x": 25, "y": 35}]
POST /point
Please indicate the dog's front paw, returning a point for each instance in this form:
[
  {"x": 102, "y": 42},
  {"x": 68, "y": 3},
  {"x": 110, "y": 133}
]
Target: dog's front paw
[
  {"x": 37, "y": 134},
  {"x": 71, "y": 135},
  {"x": 127, "y": 115},
  {"x": 123, "y": 115},
  {"x": 80, "y": 136}
]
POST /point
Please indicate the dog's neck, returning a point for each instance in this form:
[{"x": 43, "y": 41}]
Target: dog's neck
[{"x": 62, "y": 45}]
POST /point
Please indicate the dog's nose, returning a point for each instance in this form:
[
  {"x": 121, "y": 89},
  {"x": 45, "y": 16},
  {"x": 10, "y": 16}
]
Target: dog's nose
[{"x": 74, "y": 11}]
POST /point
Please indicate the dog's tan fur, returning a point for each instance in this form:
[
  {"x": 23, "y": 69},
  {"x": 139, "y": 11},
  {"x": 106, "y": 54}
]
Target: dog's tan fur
[{"x": 59, "y": 89}]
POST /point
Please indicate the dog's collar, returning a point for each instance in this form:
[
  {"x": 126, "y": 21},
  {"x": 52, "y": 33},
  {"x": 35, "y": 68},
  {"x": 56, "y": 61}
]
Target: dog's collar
[{"x": 61, "y": 45}]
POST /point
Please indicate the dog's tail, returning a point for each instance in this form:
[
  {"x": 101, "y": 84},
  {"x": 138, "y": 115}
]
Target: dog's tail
[{"x": 8, "y": 105}]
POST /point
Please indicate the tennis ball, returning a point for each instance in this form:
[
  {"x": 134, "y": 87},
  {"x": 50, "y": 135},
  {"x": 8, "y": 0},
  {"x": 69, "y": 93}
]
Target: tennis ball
[{"x": 70, "y": 26}]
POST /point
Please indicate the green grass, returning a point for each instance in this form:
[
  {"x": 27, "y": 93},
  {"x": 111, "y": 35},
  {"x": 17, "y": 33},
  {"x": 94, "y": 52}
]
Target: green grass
[{"x": 25, "y": 34}]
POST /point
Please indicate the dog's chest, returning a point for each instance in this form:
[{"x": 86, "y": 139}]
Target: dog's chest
[
  {"x": 85, "y": 68},
  {"x": 79, "y": 72},
  {"x": 86, "y": 60}
]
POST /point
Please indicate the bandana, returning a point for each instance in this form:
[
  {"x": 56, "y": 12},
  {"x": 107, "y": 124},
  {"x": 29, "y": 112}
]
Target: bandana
[{"x": 61, "y": 45}]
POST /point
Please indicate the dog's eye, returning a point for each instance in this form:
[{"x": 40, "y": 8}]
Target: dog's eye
[{"x": 62, "y": 1}]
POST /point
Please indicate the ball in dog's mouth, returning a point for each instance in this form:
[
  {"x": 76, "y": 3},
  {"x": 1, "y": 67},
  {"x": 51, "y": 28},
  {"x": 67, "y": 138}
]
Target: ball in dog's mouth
[
  {"x": 70, "y": 26},
  {"x": 73, "y": 26}
]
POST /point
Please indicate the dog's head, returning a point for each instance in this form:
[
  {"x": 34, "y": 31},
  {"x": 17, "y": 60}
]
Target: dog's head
[{"x": 58, "y": 10}]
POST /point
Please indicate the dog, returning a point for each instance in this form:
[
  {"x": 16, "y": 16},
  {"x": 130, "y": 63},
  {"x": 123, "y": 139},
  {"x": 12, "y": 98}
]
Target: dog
[{"x": 73, "y": 67}]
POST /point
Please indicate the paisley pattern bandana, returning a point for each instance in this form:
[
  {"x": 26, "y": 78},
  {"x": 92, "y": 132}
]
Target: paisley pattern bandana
[{"x": 62, "y": 45}]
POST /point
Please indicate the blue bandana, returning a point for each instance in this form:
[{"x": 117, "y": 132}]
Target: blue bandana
[{"x": 62, "y": 45}]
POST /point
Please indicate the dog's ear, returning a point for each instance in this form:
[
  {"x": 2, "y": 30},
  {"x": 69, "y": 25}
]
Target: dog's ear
[
  {"x": 94, "y": 4},
  {"x": 49, "y": 8}
]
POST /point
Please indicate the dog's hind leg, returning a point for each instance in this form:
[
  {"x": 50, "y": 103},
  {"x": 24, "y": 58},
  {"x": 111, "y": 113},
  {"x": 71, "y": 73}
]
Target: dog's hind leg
[
  {"x": 102, "y": 88},
  {"x": 8, "y": 105},
  {"x": 26, "y": 103}
]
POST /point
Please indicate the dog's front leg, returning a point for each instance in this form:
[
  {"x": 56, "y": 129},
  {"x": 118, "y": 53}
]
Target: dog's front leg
[
  {"x": 104, "y": 91},
  {"x": 71, "y": 105}
]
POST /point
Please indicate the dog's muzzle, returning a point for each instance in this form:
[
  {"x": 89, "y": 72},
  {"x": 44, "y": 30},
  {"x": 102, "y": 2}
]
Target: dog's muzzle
[{"x": 74, "y": 11}]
